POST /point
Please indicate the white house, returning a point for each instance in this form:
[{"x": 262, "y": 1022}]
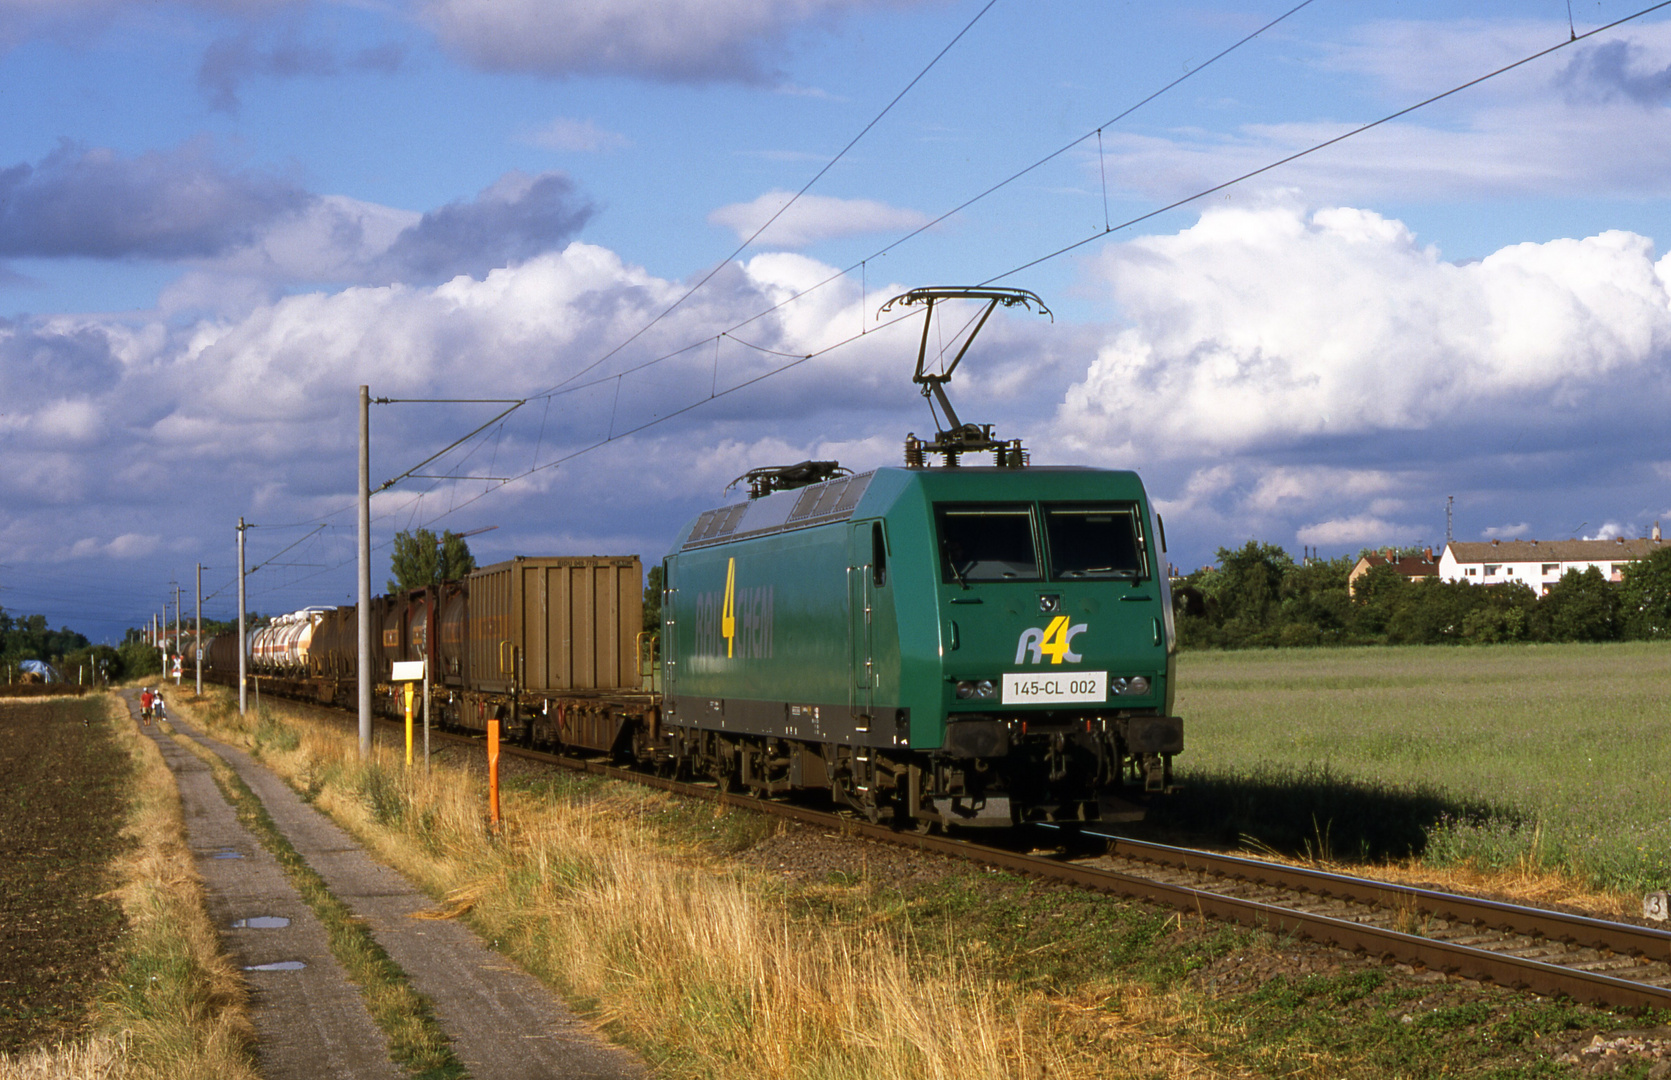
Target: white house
[{"x": 1540, "y": 563}]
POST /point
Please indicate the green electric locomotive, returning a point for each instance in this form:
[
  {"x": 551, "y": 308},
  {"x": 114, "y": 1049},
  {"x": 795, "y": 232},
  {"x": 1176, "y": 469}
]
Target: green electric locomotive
[{"x": 959, "y": 645}]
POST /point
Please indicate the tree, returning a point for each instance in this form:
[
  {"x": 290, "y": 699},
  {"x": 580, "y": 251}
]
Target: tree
[
  {"x": 420, "y": 559},
  {"x": 1250, "y": 580},
  {"x": 652, "y": 600},
  {"x": 1580, "y": 607},
  {"x": 1645, "y": 596}
]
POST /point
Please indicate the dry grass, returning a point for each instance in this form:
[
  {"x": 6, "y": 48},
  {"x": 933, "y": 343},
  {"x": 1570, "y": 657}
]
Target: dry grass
[
  {"x": 102, "y": 1057},
  {"x": 706, "y": 967},
  {"x": 177, "y": 1010}
]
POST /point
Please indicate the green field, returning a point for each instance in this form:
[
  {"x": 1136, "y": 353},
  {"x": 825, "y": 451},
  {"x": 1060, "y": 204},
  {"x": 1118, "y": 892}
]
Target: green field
[{"x": 1545, "y": 757}]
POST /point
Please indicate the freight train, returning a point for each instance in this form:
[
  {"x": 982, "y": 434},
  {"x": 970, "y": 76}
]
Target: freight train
[{"x": 959, "y": 645}]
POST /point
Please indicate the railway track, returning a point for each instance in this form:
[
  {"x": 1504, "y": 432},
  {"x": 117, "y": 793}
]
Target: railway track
[{"x": 1543, "y": 951}]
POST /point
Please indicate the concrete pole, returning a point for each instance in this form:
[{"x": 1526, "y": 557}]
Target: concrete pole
[
  {"x": 363, "y": 678},
  {"x": 243, "y": 691},
  {"x": 199, "y": 635},
  {"x": 178, "y": 639}
]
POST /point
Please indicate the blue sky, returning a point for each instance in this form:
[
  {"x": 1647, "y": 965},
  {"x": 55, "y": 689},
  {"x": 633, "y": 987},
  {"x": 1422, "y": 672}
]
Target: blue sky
[{"x": 218, "y": 218}]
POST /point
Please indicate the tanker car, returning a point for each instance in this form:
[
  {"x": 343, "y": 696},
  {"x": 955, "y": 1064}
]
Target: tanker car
[{"x": 961, "y": 645}]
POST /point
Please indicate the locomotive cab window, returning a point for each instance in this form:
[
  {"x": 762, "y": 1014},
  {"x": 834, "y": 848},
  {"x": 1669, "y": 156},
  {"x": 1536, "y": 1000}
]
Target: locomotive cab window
[
  {"x": 1094, "y": 541},
  {"x": 987, "y": 543}
]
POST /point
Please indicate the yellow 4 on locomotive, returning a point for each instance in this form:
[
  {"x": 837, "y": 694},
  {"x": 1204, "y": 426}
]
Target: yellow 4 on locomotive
[{"x": 974, "y": 645}]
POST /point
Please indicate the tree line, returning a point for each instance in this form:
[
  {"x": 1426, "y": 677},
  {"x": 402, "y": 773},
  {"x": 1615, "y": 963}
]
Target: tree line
[{"x": 1257, "y": 596}]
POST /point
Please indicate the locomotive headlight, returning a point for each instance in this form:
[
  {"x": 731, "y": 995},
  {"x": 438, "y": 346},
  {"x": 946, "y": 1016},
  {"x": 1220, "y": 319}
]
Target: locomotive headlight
[
  {"x": 985, "y": 689},
  {"x": 1135, "y": 684},
  {"x": 965, "y": 690}
]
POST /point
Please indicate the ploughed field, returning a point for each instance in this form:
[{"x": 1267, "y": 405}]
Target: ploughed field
[
  {"x": 62, "y": 807},
  {"x": 1523, "y": 759}
]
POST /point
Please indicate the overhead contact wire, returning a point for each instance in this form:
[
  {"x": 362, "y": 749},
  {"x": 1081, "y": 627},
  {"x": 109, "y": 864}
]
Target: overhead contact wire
[
  {"x": 784, "y": 208},
  {"x": 1505, "y": 69}
]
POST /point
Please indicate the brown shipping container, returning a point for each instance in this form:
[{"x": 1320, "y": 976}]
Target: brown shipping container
[{"x": 573, "y": 622}]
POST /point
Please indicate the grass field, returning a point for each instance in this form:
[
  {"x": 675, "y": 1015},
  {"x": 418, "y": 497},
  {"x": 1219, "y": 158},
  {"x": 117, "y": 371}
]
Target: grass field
[{"x": 1542, "y": 757}]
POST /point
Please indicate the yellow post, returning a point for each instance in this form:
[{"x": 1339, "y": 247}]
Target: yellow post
[
  {"x": 409, "y": 689},
  {"x": 493, "y": 771}
]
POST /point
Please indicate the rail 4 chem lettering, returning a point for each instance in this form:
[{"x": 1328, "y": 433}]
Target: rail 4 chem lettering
[
  {"x": 1054, "y": 641},
  {"x": 736, "y": 623}
]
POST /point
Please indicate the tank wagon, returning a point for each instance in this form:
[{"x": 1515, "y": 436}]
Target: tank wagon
[{"x": 953, "y": 645}]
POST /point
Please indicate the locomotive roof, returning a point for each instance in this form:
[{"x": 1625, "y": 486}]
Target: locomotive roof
[{"x": 823, "y": 504}]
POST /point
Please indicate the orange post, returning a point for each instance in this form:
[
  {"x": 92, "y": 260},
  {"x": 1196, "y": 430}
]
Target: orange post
[
  {"x": 493, "y": 771},
  {"x": 408, "y": 725}
]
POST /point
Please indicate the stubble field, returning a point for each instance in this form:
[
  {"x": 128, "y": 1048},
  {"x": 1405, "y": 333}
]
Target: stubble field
[{"x": 64, "y": 781}]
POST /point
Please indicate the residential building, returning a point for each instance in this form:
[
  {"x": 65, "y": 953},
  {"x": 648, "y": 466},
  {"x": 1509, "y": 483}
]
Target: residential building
[
  {"x": 1414, "y": 567},
  {"x": 1540, "y": 564}
]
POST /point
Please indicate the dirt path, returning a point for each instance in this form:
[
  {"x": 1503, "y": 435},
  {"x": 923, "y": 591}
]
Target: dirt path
[{"x": 309, "y": 1019}]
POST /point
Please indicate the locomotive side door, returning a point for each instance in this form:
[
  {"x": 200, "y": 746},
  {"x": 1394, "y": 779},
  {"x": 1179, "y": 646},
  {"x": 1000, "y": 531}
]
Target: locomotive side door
[
  {"x": 861, "y": 687},
  {"x": 670, "y": 644}
]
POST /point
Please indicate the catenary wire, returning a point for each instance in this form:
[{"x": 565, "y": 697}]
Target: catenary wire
[{"x": 782, "y": 209}]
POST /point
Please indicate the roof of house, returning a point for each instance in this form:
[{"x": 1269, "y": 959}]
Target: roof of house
[
  {"x": 1408, "y": 565},
  {"x": 1529, "y": 551}
]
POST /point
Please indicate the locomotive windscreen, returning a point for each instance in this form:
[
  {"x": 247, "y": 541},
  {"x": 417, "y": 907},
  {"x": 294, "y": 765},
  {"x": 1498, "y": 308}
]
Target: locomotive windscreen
[
  {"x": 1093, "y": 542},
  {"x": 991, "y": 543}
]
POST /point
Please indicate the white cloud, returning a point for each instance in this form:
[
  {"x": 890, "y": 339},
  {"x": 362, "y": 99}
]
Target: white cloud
[
  {"x": 1507, "y": 532},
  {"x": 813, "y": 218},
  {"x": 125, "y": 546},
  {"x": 1361, "y": 530},
  {"x": 1262, "y": 325},
  {"x": 582, "y": 136}
]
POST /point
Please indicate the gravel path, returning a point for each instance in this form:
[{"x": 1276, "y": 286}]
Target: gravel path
[
  {"x": 502, "y": 1022},
  {"x": 310, "y": 1020}
]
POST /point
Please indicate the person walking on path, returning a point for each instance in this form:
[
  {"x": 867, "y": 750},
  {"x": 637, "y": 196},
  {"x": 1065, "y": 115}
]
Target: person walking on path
[
  {"x": 145, "y": 706},
  {"x": 158, "y": 707}
]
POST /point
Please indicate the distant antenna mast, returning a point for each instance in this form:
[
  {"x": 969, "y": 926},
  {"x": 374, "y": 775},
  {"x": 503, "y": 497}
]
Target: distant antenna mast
[
  {"x": 1449, "y": 500},
  {"x": 957, "y": 438}
]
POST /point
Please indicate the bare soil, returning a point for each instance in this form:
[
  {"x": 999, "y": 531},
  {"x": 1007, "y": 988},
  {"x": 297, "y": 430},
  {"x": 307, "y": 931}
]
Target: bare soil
[{"x": 64, "y": 784}]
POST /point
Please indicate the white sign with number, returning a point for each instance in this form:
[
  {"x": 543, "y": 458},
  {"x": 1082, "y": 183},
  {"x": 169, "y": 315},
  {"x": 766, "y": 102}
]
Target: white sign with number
[
  {"x": 408, "y": 671},
  {"x": 1065, "y": 687}
]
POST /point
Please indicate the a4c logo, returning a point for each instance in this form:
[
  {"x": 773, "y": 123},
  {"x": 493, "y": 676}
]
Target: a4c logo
[{"x": 1054, "y": 641}]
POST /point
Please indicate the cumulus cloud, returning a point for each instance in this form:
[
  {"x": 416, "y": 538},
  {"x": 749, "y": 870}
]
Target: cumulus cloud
[
  {"x": 672, "y": 40},
  {"x": 1264, "y": 325},
  {"x": 163, "y": 204},
  {"x": 517, "y": 217},
  {"x": 246, "y": 238},
  {"x": 1360, "y": 530},
  {"x": 813, "y": 218}
]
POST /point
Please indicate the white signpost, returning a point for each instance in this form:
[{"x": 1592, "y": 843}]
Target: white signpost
[{"x": 410, "y": 672}]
